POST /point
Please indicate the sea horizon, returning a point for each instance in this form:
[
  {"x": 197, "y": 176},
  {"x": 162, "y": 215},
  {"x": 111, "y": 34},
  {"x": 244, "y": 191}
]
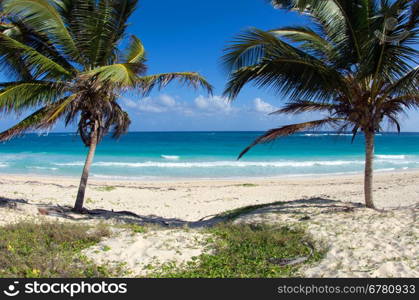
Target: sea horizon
[
  {"x": 206, "y": 155},
  {"x": 259, "y": 131}
]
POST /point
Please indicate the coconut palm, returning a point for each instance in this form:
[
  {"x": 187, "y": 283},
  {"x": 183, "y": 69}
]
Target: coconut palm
[
  {"x": 67, "y": 62},
  {"x": 355, "y": 64}
]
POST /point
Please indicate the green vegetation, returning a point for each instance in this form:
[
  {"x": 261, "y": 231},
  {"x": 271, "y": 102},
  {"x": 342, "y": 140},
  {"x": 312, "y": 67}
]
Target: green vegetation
[
  {"x": 355, "y": 64},
  {"x": 138, "y": 228},
  {"x": 248, "y": 185},
  {"x": 135, "y": 228},
  {"x": 106, "y": 248},
  {"x": 107, "y": 188},
  {"x": 51, "y": 249},
  {"x": 245, "y": 251},
  {"x": 55, "y": 249},
  {"x": 234, "y": 213},
  {"x": 90, "y": 200}
]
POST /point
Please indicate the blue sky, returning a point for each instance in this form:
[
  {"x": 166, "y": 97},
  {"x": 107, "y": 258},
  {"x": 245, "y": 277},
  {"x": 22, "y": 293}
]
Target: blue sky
[{"x": 189, "y": 35}]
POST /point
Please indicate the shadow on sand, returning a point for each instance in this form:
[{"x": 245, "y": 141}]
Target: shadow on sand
[{"x": 286, "y": 207}]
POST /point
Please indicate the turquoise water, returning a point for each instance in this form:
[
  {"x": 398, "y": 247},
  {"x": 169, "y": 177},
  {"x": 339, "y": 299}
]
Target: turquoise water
[{"x": 163, "y": 155}]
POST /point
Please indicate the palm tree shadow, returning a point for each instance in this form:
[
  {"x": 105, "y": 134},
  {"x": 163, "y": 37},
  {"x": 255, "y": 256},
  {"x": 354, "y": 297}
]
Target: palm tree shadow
[
  {"x": 278, "y": 207},
  {"x": 11, "y": 203},
  {"x": 297, "y": 207}
]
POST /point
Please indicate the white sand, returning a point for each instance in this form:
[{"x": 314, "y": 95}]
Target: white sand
[
  {"x": 139, "y": 251},
  {"x": 361, "y": 242}
]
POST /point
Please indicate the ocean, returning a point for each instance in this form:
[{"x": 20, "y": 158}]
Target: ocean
[{"x": 168, "y": 155}]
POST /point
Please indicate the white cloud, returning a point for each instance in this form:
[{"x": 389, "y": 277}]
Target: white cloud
[
  {"x": 263, "y": 107},
  {"x": 165, "y": 103},
  {"x": 130, "y": 103},
  {"x": 167, "y": 100},
  {"x": 213, "y": 104},
  {"x": 162, "y": 103}
]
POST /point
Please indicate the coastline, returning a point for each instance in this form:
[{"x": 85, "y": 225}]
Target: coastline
[
  {"x": 195, "y": 198},
  {"x": 148, "y": 179}
]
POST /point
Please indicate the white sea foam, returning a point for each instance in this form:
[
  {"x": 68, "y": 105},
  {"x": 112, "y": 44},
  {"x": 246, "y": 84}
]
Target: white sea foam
[
  {"x": 118, "y": 177},
  {"x": 385, "y": 170},
  {"x": 3, "y": 165},
  {"x": 170, "y": 157},
  {"x": 43, "y": 168},
  {"x": 380, "y": 156},
  {"x": 70, "y": 164},
  {"x": 215, "y": 164},
  {"x": 331, "y": 134},
  {"x": 327, "y": 134},
  {"x": 383, "y": 161}
]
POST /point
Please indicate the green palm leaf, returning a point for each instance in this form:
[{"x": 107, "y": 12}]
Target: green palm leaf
[
  {"x": 302, "y": 106},
  {"x": 119, "y": 75},
  {"x": 309, "y": 40},
  {"x": 275, "y": 133},
  {"x": 42, "y": 15},
  {"x": 135, "y": 51},
  {"x": 260, "y": 57},
  {"x": 37, "y": 63},
  {"x": 147, "y": 83},
  {"x": 40, "y": 119},
  {"x": 20, "y": 96}
]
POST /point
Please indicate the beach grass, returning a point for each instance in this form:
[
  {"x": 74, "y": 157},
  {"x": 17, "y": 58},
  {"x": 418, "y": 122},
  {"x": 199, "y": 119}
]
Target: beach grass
[
  {"x": 135, "y": 228},
  {"x": 245, "y": 251},
  {"x": 50, "y": 249},
  {"x": 107, "y": 188},
  {"x": 247, "y": 184},
  {"x": 235, "y": 213}
]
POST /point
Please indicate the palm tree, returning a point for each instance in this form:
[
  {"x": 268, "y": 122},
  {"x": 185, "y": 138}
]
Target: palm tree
[
  {"x": 67, "y": 61},
  {"x": 354, "y": 65}
]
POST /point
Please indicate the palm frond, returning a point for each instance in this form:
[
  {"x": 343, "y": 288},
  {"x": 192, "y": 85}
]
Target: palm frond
[
  {"x": 302, "y": 106},
  {"x": 308, "y": 39},
  {"x": 37, "y": 63},
  {"x": 147, "y": 83},
  {"x": 248, "y": 49},
  {"x": 414, "y": 15},
  {"x": 295, "y": 78},
  {"x": 35, "y": 121},
  {"x": 21, "y": 96},
  {"x": 98, "y": 27},
  {"x": 338, "y": 18},
  {"x": 406, "y": 84},
  {"x": 260, "y": 57},
  {"x": 394, "y": 122},
  {"x": 42, "y": 15},
  {"x": 121, "y": 12},
  {"x": 119, "y": 121},
  {"x": 59, "y": 109},
  {"x": 400, "y": 104},
  {"x": 119, "y": 75},
  {"x": 97, "y": 34},
  {"x": 387, "y": 53},
  {"x": 135, "y": 51},
  {"x": 39, "y": 42},
  {"x": 275, "y": 133}
]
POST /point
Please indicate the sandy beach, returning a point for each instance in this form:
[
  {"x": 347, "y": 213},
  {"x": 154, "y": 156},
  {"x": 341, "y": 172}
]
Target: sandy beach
[{"x": 360, "y": 242}]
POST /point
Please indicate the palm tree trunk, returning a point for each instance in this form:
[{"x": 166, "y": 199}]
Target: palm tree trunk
[
  {"x": 368, "y": 178},
  {"x": 78, "y": 206}
]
